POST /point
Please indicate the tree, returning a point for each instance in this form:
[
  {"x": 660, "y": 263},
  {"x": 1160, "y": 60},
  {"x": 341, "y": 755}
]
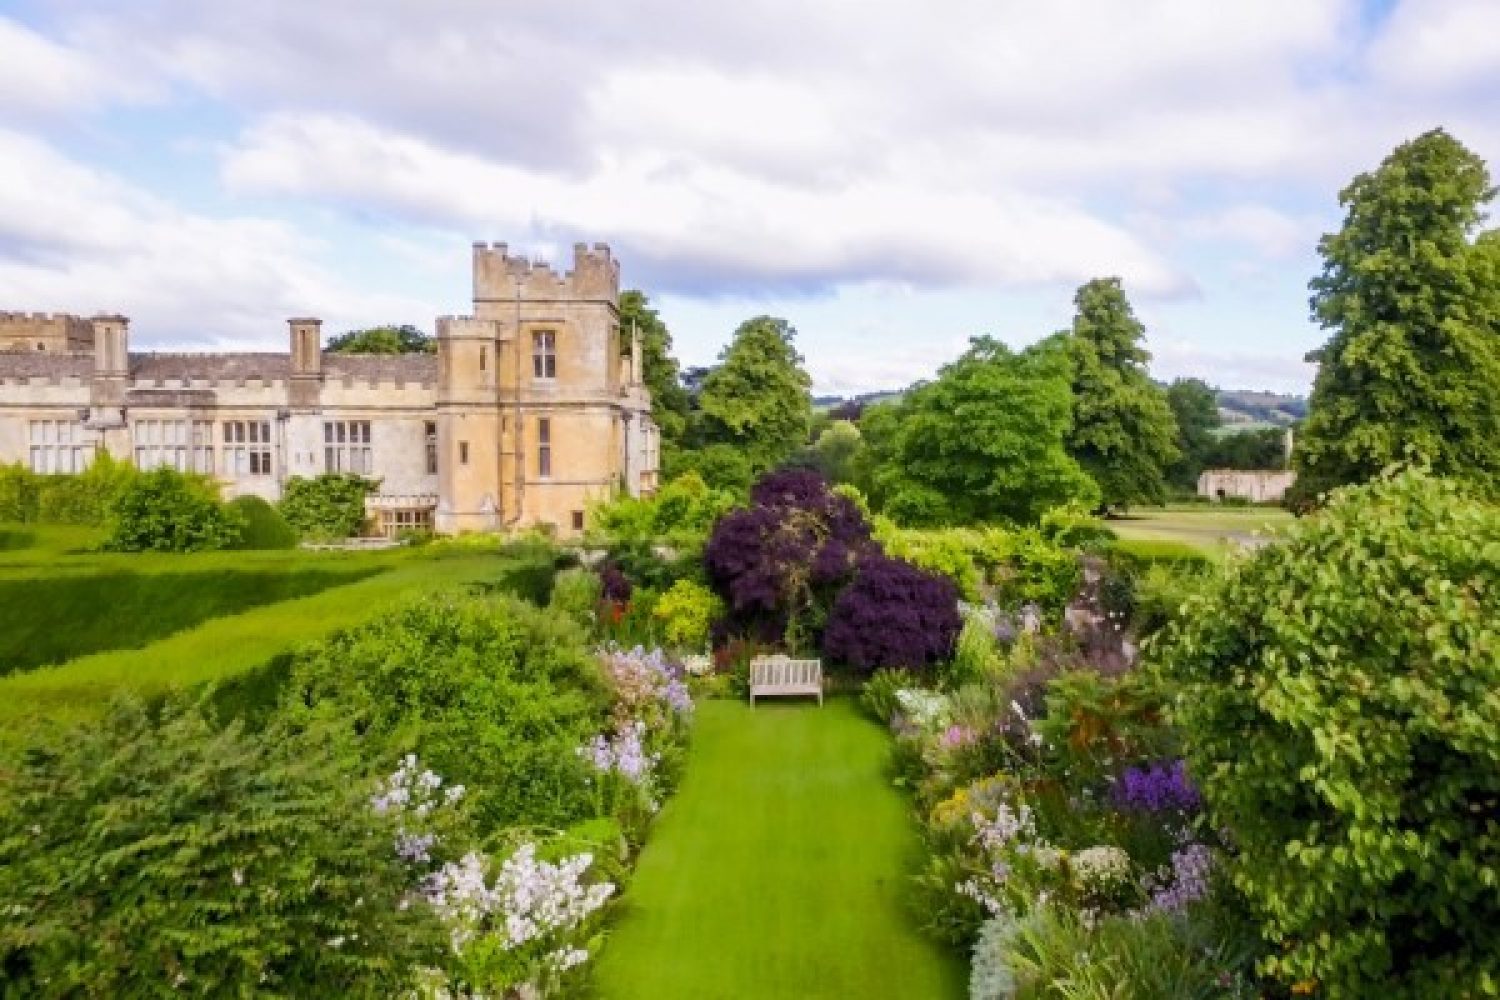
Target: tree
[
  {"x": 1411, "y": 371},
  {"x": 984, "y": 441},
  {"x": 330, "y": 507},
  {"x": 404, "y": 339},
  {"x": 834, "y": 451},
  {"x": 1257, "y": 449},
  {"x": 169, "y": 511},
  {"x": 1196, "y": 409},
  {"x": 1336, "y": 698},
  {"x": 1124, "y": 433},
  {"x": 669, "y": 400},
  {"x": 758, "y": 398}
]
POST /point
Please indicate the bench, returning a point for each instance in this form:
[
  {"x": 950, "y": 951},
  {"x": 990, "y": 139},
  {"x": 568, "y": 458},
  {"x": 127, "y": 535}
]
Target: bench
[{"x": 779, "y": 675}]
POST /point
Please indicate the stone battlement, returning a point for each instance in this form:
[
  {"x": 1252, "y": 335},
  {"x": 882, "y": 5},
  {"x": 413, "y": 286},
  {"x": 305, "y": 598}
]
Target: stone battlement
[
  {"x": 500, "y": 275},
  {"x": 42, "y": 331}
]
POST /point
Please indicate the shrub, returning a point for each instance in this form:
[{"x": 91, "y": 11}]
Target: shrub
[
  {"x": 892, "y": 615},
  {"x": 1029, "y": 569},
  {"x": 19, "y": 494},
  {"x": 86, "y": 498},
  {"x": 949, "y": 552},
  {"x": 169, "y": 511},
  {"x": 1337, "y": 696},
  {"x": 686, "y": 612},
  {"x": 142, "y": 858},
  {"x": 491, "y": 692},
  {"x": 330, "y": 507},
  {"x": 576, "y": 593},
  {"x": 264, "y": 527},
  {"x": 879, "y": 694}
]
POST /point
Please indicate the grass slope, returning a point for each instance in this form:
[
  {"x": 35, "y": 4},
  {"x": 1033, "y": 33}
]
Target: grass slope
[
  {"x": 779, "y": 870},
  {"x": 1207, "y": 529},
  {"x": 225, "y": 649}
]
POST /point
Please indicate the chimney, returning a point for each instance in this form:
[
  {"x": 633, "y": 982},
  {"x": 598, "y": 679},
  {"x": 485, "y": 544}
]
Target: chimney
[
  {"x": 307, "y": 347},
  {"x": 111, "y": 346}
]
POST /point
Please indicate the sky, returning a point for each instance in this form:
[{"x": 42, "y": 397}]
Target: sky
[{"x": 891, "y": 177}]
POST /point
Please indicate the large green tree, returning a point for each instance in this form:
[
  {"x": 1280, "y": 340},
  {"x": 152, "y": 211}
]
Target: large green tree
[
  {"x": 1124, "y": 434},
  {"x": 757, "y": 399},
  {"x": 669, "y": 400},
  {"x": 405, "y": 339},
  {"x": 1411, "y": 371},
  {"x": 1195, "y": 406},
  {"x": 984, "y": 441}
]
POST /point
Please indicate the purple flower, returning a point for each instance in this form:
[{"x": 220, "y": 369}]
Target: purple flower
[
  {"x": 1160, "y": 787},
  {"x": 1185, "y": 882}
]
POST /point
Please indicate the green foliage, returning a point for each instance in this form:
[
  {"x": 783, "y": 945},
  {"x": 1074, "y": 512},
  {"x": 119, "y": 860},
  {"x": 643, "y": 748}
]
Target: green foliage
[
  {"x": 169, "y": 511},
  {"x": 686, "y": 612},
  {"x": 655, "y": 540},
  {"x": 491, "y": 692},
  {"x": 576, "y": 593},
  {"x": 984, "y": 441},
  {"x": 1337, "y": 699},
  {"x": 757, "y": 400},
  {"x": 835, "y": 451},
  {"x": 404, "y": 339},
  {"x": 1195, "y": 406},
  {"x": 1074, "y": 527},
  {"x": 1161, "y": 592},
  {"x": 1028, "y": 569},
  {"x": 1412, "y": 366},
  {"x": 949, "y": 552},
  {"x": 669, "y": 400},
  {"x": 878, "y": 697},
  {"x": 1255, "y": 449},
  {"x": 1124, "y": 433},
  {"x": 264, "y": 528},
  {"x": 722, "y": 466},
  {"x": 19, "y": 494},
  {"x": 51, "y": 619},
  {"x": 330, "y": 507},
  {"x": 1139, "y": 554},
  {"x": 142, "y": 858}
]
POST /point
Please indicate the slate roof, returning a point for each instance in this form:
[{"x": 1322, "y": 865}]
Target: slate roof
[{"x": 229, "y": 367}]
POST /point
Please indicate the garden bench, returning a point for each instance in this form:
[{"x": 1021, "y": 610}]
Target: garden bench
[{"x": 778, "y": 675}]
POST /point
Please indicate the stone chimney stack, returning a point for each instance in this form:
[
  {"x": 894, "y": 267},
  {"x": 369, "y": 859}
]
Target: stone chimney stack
[
  {"x": 307, "y": 362},
  {"x": 111, "y": 346}
]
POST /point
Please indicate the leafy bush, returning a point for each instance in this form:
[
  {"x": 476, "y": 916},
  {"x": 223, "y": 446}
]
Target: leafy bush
[
  {"x": 142, "y": 858},
  {"x": 169, "y": 511},
  {"x": 264, "y": 527},
  {"x": 949, "y": 552},
  {"x": 892, "y": 615},
  {"x": 19, "y": 491},
  {"x": 1029, "y": 569},
  {"x": 492, "y": 692},
  {"x": 686, "y": 612},
  {"x": 576, "y": 593},
  {"x": 1337, "y": 697},
  {"x": 330, "y": 507},
  {"x": 879, "y": 694}
]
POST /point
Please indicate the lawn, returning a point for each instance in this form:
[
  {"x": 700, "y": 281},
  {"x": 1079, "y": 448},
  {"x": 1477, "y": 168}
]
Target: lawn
[
  {"x": 1207, "y": 529},
  {"x": 779, "y": 870}
]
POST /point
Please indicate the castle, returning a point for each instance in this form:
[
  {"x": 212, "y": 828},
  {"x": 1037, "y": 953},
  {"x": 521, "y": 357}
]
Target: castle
[{"x": 531, "y": 409}]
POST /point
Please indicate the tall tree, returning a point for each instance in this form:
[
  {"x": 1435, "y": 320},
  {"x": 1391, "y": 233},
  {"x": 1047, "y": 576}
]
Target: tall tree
[
  {"x": 1411, "y": 371},
  {"x": 758, "y": 398},
  {"x": 669, "y": 400},
  {"x": 984, "y": 441},
  {"x": 404, "y": 339},
  {"x": 1124, "y": 434},
  {"x": 1196, "y": 409}
]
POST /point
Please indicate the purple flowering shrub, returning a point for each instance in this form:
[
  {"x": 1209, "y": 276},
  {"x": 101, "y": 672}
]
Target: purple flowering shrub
[
  {"x": 1162, "y": 787},
  {"x": 779, "y": 562},
  {"x": 893, "y": 615}
]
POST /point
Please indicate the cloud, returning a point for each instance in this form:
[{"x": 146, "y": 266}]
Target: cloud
[
  {"x": 77, "y": 239},
  {"x": 40, "y": 77},
  {"x": 690, "y": 224},
  {"x": 1440, "y": 46},
  {"x": 1279, "y": 372}
]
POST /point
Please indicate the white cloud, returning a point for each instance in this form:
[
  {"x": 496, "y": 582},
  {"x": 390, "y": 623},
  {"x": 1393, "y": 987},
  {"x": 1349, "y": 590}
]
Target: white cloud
[
  {"x": 1441, "y": 45},
  {"x": 1277, "y": 372},
  {"x": 39, "y": 76},
  {"x": 1270, "y": 233},
  {"x": 76, "y": 239}
]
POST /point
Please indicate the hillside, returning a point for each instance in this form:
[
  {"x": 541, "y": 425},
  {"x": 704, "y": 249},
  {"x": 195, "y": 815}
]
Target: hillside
[{"x": 1242, "y": 409}]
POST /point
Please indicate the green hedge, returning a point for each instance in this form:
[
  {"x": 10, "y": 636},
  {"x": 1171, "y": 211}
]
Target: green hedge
[{"x": 1140, "y": 554}]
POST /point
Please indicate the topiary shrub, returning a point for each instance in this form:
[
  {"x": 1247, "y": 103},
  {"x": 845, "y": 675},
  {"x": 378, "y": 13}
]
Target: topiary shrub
[
  {"x": 169, "y": 511},
  {"x": 892, "y": 615},
  {"x": 148, "y": 858},
  {"x": 328, "y": 508},
  {"x": 1336, "y": 694},
  {"x": 264, "y": 527}
]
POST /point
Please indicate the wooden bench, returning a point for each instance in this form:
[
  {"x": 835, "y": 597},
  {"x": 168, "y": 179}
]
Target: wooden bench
[{"x": 782, "y": 675}]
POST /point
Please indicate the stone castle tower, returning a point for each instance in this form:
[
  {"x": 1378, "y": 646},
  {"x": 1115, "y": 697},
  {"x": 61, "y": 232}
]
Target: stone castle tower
[{"x": 538, "y": 413}]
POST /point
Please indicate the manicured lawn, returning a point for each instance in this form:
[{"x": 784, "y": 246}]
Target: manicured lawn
[
  {"x": 778, "y": 871},
  {"x": 1208, "y": 529}
]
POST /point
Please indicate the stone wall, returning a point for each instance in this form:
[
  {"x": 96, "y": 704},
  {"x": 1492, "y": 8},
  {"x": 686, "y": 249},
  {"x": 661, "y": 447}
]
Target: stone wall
[{"x": 1255, "y": 486}]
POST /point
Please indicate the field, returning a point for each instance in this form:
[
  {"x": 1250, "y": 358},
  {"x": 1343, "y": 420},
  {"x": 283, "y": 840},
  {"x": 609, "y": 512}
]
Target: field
[
  {"x": 1210, "y": 530},
  {"x": 150, "y": 624}
]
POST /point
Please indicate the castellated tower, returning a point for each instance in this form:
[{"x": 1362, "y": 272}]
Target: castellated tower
[{"x": 536, "y": 410}]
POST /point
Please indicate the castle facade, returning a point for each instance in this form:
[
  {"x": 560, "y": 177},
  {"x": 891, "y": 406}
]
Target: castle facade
[{"x": 532, "y": 408}]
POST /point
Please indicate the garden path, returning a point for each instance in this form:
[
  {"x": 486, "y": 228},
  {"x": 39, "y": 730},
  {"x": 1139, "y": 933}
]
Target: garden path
[{"x": 779, "y": 870}]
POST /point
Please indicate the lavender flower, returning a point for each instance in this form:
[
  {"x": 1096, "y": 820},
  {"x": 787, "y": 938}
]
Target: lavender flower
[
  {"x": 1185, "y": 881},
  {"x": 1161, "y": 787},
  {"x": 623, "y": 753}
]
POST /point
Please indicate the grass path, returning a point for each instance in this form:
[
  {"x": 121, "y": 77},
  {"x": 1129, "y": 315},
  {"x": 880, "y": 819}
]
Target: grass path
[{"x": 778, "y": 871}]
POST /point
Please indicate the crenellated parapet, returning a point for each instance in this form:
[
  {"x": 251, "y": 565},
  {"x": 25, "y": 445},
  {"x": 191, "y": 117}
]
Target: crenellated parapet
[
  {"x": 44, "y": 331},
  {"x": 501, "y": 276}
]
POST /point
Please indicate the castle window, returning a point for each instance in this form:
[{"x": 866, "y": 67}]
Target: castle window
[
  {"x": 544, "y": 448},
  {"x": 58, "y": 446},
  {"x": 430, "y": 431},
  {"x": 484, "y": 358},
  {"x": 247, "y": 448},
  {"x": 463, "y": 453},
  {"x": 346, "y": 447},
  {"x": 184, "y": 445},
  {"x": 395, "y": 522},
  {"x": 544, "y": 354},
  {"x": 578, "y": 520}
]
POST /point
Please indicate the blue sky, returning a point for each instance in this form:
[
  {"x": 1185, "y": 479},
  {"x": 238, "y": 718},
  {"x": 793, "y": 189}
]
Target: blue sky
[{"x": 891, "y": 177}]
